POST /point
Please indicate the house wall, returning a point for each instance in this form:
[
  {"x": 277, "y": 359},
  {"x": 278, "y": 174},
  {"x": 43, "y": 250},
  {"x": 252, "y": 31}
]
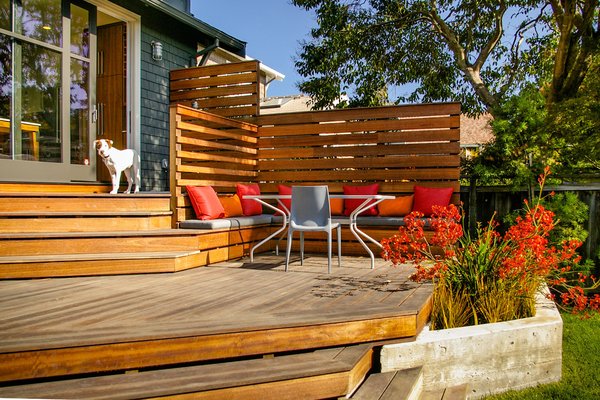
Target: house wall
[{"x": 155, "y": 104}]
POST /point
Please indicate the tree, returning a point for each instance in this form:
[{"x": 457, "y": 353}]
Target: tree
[{"x": 452, "y": 50}]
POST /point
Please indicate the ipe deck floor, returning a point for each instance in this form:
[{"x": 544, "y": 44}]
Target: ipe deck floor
[{"x": 68, "y": 326}]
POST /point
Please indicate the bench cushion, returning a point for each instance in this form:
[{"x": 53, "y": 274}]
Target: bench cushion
[{"x": 227, "y": 223}]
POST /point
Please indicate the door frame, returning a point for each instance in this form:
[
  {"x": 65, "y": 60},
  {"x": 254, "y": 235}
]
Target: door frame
[
  {"x": 134, "y": 66},
  {"x": 35, "y": 171}
]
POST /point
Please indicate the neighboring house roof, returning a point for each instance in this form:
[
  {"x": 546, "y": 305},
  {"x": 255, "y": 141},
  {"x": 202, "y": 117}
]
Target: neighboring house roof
[
  {"x": 475, "y": 132},
  {"x": 235, "y": 45}
]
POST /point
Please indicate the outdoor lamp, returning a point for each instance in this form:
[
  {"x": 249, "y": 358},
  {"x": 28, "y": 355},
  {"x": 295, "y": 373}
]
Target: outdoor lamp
[{"x": 156, "y": 51}]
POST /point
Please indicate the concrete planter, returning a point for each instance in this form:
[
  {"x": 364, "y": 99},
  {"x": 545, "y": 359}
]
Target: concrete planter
[{"x": 490, "y": 358}]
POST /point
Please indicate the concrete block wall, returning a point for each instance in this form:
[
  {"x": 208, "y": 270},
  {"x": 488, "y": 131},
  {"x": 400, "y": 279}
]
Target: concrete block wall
[{"x": 490, "y": 358}]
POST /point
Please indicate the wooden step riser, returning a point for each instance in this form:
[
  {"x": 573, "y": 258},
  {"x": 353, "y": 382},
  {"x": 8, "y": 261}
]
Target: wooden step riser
[
  {"x": 306, "y": 376},
  {"x": 134, "y": 355},
  {"x": 10, "y": 187},
  {"x": 117, "y": 266},
  {"x": 20, "y": 247},
  {"x": 83, "y": 204},
  {"x": 87, "y": 224}
]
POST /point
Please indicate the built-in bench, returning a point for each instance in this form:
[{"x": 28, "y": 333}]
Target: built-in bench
[{"x": 397, "y": 147}]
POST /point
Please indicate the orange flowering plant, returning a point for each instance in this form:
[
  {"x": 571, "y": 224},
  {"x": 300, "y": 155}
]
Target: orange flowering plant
[{"x": 488, "y": 276}]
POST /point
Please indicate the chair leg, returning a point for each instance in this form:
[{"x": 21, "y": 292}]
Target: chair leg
[
  {"x": 288, "y": 249},
  {"x": 301, "y": 248},
  {"x": 339, "y": 241},
  {"x": 329, "y": 234}
]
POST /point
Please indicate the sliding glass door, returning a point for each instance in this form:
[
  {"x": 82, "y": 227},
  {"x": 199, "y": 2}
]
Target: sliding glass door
[{"x": 47, "y": 86}]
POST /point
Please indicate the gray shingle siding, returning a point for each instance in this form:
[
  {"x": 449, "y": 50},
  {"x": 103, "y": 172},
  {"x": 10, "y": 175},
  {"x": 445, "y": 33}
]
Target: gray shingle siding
[{"x": 155, "y": 104}]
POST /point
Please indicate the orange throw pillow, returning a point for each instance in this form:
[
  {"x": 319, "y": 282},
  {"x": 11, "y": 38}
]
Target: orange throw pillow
[
  {"x": 337, "y": 206},
  {"x": 398, "y": 207},
  {"x": 205, "y": 202},
  {"x": 232, "y": 206}
]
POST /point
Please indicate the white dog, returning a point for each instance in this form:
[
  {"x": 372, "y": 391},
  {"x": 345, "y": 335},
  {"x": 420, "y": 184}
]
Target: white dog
[{"x": 118, "y": 161}]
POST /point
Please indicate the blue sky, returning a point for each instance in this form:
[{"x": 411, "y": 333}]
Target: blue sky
[{"x": 271, "y": 28}]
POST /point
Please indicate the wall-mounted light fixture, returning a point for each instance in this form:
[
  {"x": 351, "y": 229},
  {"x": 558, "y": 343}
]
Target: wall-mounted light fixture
[{"x": 156, "y": 51}]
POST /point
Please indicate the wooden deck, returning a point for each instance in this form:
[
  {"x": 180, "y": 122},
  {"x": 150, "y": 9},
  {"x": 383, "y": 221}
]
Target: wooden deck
[{"x": 72, "y": 326}]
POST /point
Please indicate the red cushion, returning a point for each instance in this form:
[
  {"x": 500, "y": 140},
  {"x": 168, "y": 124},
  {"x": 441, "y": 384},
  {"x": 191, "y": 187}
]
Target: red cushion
[
  {"x": 285, "y": 190},
  {"x": 426, "y": 198},
  {"x": 205, "y": 201},
  {"x": 249, "y": 206},
  {"x": 350, "y": 204}
]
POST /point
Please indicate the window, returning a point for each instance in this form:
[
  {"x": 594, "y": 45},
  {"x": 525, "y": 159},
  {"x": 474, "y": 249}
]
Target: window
[{"x": 42, "y": 69}]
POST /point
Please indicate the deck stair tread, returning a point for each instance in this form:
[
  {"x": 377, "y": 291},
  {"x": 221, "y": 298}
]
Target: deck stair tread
[
  {"x": 331, "y": 372},
  {"x": 394, "y": 385},
  {"x": 111, "y": 214},
  {"x": 459, "y": 392},
  {"x": 100, "y": 234},
  {"x": 88, "y": 195},
  {"x": 95, "y": 256}
]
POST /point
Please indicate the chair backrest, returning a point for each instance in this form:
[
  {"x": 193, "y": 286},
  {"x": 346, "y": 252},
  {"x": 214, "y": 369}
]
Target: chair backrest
[{"x": 310, "y": 206}]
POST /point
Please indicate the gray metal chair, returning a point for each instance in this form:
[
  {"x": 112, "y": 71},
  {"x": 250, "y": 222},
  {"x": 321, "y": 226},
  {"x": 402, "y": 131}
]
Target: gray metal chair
[{"x": 311, "y": 213}]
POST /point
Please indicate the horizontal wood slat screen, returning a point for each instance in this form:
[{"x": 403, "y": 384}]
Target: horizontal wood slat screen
[
  {"x": 396, "y": 146},
  {"x": 208, "y": 150},
  {"x": 231, "y": 90}
]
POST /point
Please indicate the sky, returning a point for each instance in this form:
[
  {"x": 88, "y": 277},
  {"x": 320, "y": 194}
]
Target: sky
[{"x": 272, "y": 30}]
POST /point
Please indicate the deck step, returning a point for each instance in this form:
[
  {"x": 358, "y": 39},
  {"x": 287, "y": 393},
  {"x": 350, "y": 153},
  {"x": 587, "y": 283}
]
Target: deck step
[
  {"x": 50, "y": 243},
  {"x": 77, "y": 203},
  {"x": 395, "y": 385},
  {"x": 459, "y": 392},
  {"x": 326, "y": 373},
  {"x": 57, "y": 265},
  {"x": 83, "y": 212},
  {"x": 86, "y": 223}
]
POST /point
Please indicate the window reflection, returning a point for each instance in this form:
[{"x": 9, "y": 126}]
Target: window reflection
[
  {"x": 5, "y": 14},
  {"x": 5, "y": 96},
  {"x": 39, "y": 19},
  {"x": 40, "y": 103},
  {"x": 79, "y": 112},
  {"x": 80, "y": 31}
]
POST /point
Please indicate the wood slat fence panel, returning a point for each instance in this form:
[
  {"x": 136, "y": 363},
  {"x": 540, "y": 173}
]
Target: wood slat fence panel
[
  {"x": 208, "y": 150},
  {"x": 231, "y": 90},
  {"x": 397, "y": 147}
]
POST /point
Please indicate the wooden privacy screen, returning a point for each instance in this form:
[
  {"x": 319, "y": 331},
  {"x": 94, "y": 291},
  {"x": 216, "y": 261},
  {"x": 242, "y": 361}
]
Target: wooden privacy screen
[
  {"x": 397, "y": 147},
  {"x": 208, "y": 150},
  {"x": 231, "y": 90}
]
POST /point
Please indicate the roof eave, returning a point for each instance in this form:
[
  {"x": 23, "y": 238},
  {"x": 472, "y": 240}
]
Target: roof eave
[{"x": 238, "y": 45}]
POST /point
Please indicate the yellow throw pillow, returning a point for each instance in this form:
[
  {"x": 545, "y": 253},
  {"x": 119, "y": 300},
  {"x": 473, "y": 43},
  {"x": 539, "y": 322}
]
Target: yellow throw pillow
[
  {"x": 232, "y": 205},
  {"x": 398, "y": 207}
]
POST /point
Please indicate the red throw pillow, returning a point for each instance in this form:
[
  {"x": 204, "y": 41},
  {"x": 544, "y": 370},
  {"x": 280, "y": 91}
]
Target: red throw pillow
[
  {"x": 285, "y": 190},
  {"x": 351, "y": 204},
  {"x": 205, "y": 201},
  {"x": 249, "y": 206},
  {"x": 426, "y": 198}
]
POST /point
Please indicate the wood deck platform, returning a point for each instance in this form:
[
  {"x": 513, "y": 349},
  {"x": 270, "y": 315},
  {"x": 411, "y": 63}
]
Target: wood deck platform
[{"x": 73, "y": 326}]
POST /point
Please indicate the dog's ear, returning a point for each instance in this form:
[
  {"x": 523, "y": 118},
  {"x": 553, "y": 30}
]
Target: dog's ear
[{"x": 110, "y": 142}]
